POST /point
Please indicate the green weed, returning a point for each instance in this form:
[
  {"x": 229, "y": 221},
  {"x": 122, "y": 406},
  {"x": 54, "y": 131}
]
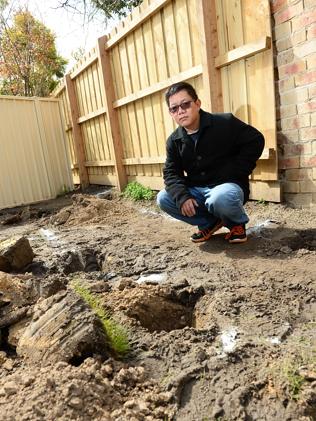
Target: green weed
[
  {"x": 63, "y": 191},
  {"x": 116, "y": 333},
  {"x": 295, "y": 381},
  {"x": 262, "y": 202},
  {"x": 137, "y": 191}
]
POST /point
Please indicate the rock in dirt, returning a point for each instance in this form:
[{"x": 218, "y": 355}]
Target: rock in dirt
[
  {"x": 63, "y": 328},
  {"x": 15, "y": 254}
]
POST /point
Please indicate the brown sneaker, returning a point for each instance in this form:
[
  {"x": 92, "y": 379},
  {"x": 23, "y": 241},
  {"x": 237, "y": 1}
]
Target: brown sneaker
[
  {"x": 237, "y": 234},
  {"x": 206, "y": 234}
]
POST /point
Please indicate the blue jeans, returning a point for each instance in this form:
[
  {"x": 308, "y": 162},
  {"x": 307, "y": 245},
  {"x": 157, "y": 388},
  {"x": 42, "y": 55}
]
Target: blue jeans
[{"x": 224, "y": 202}]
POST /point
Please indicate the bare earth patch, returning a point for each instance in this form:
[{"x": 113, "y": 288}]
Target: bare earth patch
[{"x": 217, "y": 331}]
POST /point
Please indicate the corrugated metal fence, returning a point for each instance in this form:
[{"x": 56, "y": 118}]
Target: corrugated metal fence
[{"x": 34, "y": 162}]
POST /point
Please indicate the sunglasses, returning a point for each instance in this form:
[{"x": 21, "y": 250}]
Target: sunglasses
[{"x": 184, "y": 106}]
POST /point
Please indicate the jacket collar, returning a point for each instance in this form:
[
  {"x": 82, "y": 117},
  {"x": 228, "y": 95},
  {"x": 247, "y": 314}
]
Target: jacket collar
[{"x": 206, "y": 120}]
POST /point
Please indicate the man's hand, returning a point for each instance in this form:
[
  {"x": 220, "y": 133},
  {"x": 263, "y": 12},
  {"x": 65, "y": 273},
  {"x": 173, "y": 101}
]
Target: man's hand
[{"x": 188, "y": 207}]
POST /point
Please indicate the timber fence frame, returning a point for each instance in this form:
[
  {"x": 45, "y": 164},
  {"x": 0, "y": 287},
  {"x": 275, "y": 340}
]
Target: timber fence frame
[{"x": 112, "y": 63}]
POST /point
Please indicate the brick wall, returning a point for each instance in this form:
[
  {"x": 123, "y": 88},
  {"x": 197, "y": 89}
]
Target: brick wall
[{"x": 295, "y": 60}]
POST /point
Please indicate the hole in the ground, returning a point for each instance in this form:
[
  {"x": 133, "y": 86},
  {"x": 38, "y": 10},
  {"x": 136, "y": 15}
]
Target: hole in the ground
[
  {"x": 157, "y": 312},
  {"x": 5, "y": 346}
]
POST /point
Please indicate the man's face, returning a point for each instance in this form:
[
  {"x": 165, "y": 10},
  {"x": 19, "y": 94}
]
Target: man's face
[{"x": 189, "y": 117}]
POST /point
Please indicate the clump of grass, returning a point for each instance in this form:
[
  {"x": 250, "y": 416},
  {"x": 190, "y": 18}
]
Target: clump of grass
[
  {"x": 116, "y": 333},
  {"x": 137, "y": 191},
  {"x": 295, "y": 381}
]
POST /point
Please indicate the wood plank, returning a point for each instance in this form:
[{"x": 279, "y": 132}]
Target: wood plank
[
  {"x": 85, "y": 64},
  {"x": 185, "y": 51},
  {"x": 170, "y": 40},
  {"x": 194, "y": 32},
  {"x": 92, "y": 115},
  {"x": 209, "y": 46},
  {"x": 113, "y": 121},
  {"x": 195, "y": 71},
  {"x": 151, "y": 10},
  {"x": 155, "y": 183},
  {"x": 149, "y": 49},
  {"x": 160, "y": 46},
  {"x": 77, "y": 134},
  {"x": 106, "y": 163},
  {"x": 145, "y": 160},
  {"x": 103, "y": 179},
  {"x": 269, "y": 191},
  {"x": 243, "y": 52}
]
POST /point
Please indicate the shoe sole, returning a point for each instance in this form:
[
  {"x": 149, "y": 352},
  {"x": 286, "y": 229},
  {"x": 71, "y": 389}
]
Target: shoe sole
[
  {"x": 238, "y": 240},
  {"x": 202, "y": 240}
]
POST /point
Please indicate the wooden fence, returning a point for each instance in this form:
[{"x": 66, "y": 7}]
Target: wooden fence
[
  {"x": 34, "y": 162},
  {"x": 113, "y": 104}
]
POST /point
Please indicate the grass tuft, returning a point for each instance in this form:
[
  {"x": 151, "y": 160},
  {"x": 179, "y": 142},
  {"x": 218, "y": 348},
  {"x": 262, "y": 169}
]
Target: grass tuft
[
  {"x": 137, "y": 191},
  {"x": 116, "y": 333}
]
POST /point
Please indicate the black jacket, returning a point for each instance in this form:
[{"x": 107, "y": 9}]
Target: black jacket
[{"x": 226, "y": 151}]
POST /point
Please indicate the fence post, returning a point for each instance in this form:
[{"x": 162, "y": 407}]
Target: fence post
[
  {"x": 112, "y": 113},
  {"x": 209, "y": 47},
  {"x": 76, "y": 131}
]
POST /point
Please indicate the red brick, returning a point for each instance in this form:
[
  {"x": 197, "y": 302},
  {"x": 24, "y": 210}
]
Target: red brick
[
  {"x": 311, "y": 61},
  {"x": 298, "y": 174},
  {"x": 296, "y": 122},
  {"x": 297, "y": 149},
  {"x": 287, "y": 111},
  {"x": 307, "y": 186},
  {"x": 288, "y": 136},
  {"x": 308, "y": 161},
  {"x": 293, "y": 162},
  {"x": 305, "y": 19},
  {"x": 311, "y": 32},
  {"x": 288, "y": 13},
  {"x": 292, "y": 68},
  {"x": 306, "y": 107},
  {"x": 298, "y": 37},
  {"x": 291, "y": 186},
  {"x": 308, "y": 133},
  {"x": 294, "y": 97},
  {"x": 278, "y": 5},
  {"x": 303, "y": 50},
  {"x": 305, "y": 78},
  {"x": 286, "y": 84},
  {"x": 285, "y": 57},
  {"x": 312, "y": 91},
  {"x": 282, "y": 30}
]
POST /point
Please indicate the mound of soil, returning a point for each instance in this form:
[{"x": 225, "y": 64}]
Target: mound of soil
[{"x": 217, "y": 331}]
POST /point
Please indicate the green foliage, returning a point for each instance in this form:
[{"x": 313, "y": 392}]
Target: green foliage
[
  {"x": 295, "y": 381},
  {"x": 63, "y": 191},
  {"x": 262, "y": 202},
  {"x": 108, "y": 8},
  {"x": 116, "y": 333},
  {"x": 117, "y": 7},
  {"x": 137, "y": 191},
  {"x": 29, "y": 63}
]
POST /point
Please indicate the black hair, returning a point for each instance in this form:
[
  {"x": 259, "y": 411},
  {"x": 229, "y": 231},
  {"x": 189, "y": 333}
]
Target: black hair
[{"x": 180, "y": 86}]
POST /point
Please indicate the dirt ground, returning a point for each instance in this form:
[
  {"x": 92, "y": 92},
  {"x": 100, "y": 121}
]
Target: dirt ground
[{"x": 217, "y": 331}]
